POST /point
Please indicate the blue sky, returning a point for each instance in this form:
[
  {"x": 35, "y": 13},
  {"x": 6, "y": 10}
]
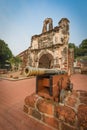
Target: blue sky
[{"x": 20, "y": 19}]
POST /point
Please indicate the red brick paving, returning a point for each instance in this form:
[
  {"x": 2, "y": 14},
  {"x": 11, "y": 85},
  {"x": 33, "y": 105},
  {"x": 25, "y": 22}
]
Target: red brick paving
[
  {"x": 79, "y": 81},
  {"x": 12, "y": 95}
]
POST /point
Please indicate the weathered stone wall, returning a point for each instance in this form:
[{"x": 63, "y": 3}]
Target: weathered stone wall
[
  {"x": 52, "y": 44},
  {"x": 24, "y": 59},
  {"x": 72, "y": 115},
  {"x": 71, "y": 61}
]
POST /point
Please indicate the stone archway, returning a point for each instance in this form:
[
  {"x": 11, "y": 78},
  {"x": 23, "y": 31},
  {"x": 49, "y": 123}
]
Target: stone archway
[{"x": 45, "y": 61}]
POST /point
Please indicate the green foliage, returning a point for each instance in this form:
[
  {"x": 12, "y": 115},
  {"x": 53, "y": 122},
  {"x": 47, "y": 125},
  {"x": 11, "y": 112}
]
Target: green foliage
[
  {"x": 71, "y": 45},
  {"x": 83, "y": 45},
  {"x": 15, "y": 61},
  {"x": 82, "y": 57},
  {"x": 81, "y": 50},
  {"x": 5, "y": 53}
]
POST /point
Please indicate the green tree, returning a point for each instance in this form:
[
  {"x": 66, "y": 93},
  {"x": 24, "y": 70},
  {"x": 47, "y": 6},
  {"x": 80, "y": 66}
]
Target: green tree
[
  {"x": 5, "y": 53},
  {"x": 83, "y": 48},
  {"x": 71, "y": 45},
  {"x": 15, "y": 61}
]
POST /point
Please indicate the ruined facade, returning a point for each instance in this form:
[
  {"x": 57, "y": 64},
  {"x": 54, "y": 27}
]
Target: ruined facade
[{"x": 50, "y": 48}]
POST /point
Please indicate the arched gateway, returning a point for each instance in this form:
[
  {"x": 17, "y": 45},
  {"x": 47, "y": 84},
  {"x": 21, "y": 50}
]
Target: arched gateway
[{"x": 45, "y": 61}]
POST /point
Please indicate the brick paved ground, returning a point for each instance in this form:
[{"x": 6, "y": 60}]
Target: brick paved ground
[
  {"x": 12, "y": 95},
  {"x": 79, "y": 81}
]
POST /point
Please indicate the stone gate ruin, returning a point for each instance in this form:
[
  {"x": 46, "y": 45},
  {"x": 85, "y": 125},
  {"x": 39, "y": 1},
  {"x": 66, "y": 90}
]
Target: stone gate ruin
[{"x": 50, "y": 48}]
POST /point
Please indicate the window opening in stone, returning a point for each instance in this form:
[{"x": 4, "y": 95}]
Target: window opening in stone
[{"x": 48, "y": 27}]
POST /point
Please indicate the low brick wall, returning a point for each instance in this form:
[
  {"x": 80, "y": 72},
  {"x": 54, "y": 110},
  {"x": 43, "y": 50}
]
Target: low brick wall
[
  {"x": 72, "y": 115},
  {"x": 3, "y": 71}
]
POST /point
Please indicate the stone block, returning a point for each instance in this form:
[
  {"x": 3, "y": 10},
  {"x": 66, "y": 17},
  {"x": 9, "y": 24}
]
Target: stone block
[
  {"x": 25, "y": 109},
  {"x": 51, "y": 121},
  {"x": 45, "y": 106},
  {"x": 82, "y": 116},
  {"x": 71, "y": 101},
  {"x": 34, "y": 113},
  {"x": 65, "y": 114},
  {"x": 67, "y": 127},
  {"x": 31, "y": 100}
]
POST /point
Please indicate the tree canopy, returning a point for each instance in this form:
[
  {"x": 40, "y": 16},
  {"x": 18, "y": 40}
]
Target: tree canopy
[
  {"x": 15, "y": 61},
  {"x": 83, "y": 48},
  {"x": 80, "y": 50},
  {"x": 5, "y": 53}
]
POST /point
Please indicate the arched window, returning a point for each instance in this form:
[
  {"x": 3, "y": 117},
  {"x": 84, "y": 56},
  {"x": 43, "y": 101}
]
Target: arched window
[{"x": 47, "y": 25}]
